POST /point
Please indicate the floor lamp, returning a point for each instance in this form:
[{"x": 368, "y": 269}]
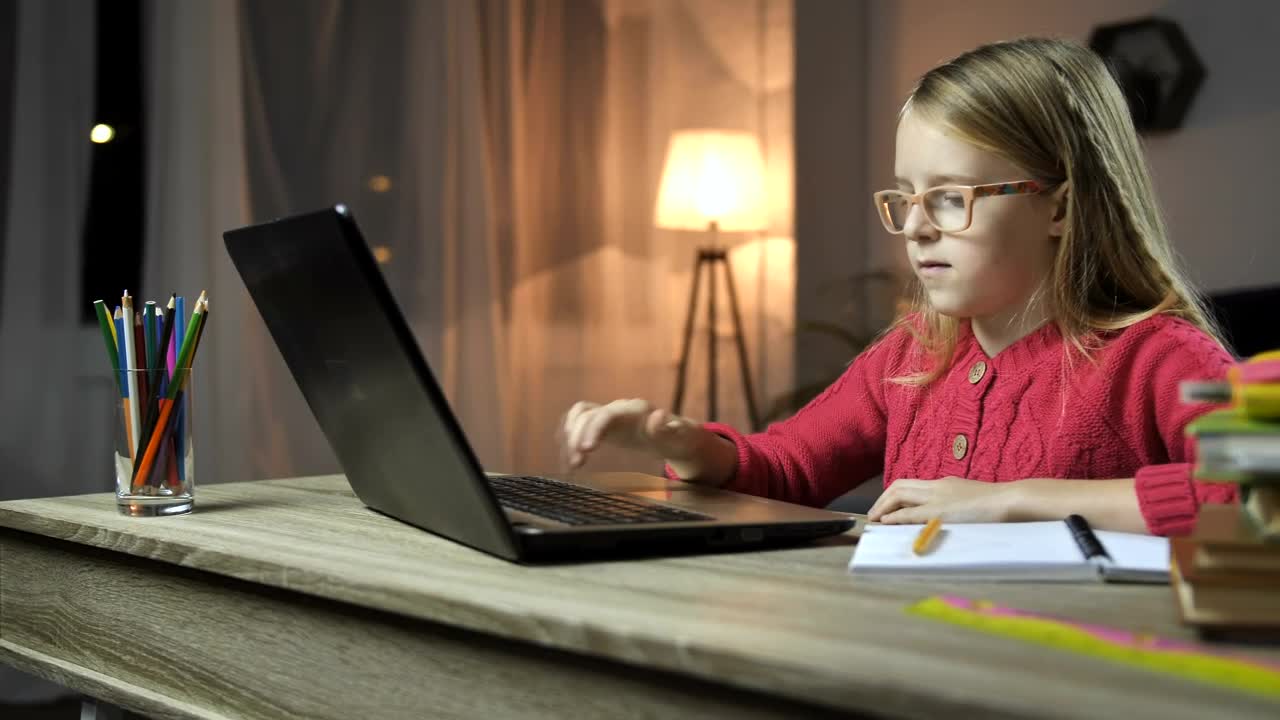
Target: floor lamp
[{"x": 712, "y": 181}]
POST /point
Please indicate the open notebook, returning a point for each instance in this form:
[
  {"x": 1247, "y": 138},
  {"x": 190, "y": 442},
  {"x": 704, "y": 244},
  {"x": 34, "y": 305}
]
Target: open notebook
[{"x": 1040, "y": 551}]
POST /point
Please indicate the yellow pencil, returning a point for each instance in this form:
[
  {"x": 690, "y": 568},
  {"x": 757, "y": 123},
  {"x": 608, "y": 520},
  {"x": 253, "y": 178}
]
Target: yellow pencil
[{"x": 927, "y": 534}]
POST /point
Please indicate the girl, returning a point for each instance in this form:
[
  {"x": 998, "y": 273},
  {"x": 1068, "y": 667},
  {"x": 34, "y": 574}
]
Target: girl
[{"x": 1038, "y": 374}]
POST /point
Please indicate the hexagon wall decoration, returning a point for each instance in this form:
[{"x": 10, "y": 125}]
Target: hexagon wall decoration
[{"x": 1156, "y": 67}]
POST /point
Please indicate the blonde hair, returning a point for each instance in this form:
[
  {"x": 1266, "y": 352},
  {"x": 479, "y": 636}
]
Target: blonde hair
[{"x": 1052, "y": 108}]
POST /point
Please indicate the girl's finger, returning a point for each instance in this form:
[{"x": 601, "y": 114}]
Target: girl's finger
[
  {"x": 913, "y": 492},
  {"x": 656, "y": 424},
  {"x": 902, "y": 493},
  {"x": 598, "y": 424},
  {"x": 575, "y": 412},
  {"x": 579, "y": 426},
  {"x": 914, "y": 515},
  {"x": 564, "y": 433},
  {"x": 887, "y": 502}
]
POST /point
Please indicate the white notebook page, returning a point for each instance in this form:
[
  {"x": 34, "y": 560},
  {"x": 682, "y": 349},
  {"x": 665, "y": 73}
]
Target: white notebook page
[
  {"x": 995, "y": 550},
  {"x": 1136, "y": 552}
]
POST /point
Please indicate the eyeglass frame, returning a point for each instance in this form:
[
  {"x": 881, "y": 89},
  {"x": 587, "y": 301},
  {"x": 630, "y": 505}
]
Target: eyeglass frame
[{"x": 970, "y": 193}]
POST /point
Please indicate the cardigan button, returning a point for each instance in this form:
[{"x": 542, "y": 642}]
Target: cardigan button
[
  {"x": 959, "y": 447},
  {"x": 977, "y": 372}
]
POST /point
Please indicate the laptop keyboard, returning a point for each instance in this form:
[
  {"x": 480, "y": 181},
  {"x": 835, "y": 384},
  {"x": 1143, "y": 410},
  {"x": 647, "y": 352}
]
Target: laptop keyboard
[{"x": 577, "y": 505}]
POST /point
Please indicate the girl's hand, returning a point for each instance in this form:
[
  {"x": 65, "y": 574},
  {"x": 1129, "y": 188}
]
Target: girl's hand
[
  {"x": 907, "y": 502},
  {"x": 633, "y": 424}
]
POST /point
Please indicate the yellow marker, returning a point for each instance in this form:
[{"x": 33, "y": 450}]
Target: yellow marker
[
  {"x": 1195, "y": 661},
  {"x": 926, "y": 536}
]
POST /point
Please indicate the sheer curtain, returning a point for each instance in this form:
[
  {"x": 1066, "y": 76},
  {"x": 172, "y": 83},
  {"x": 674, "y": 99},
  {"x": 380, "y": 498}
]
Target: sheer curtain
[
  {"x": 260, "y": 110},
  {"x": 48, "y": 379},
  {"x": 582, "y": 97},
  {"x": 57, "y": 401},
  {"x": 366, "y": 103},
  {"x": 196, "y": 181},
  {"x": 502, "y": 159}
]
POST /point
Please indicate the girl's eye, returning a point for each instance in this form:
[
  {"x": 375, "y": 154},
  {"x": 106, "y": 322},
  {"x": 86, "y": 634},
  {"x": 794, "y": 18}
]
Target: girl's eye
[{"x": 953, "y": 200}]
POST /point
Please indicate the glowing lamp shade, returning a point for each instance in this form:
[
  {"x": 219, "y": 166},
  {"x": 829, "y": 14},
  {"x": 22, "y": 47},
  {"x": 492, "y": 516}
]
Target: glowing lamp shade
[{"x": 712, "y": 176}]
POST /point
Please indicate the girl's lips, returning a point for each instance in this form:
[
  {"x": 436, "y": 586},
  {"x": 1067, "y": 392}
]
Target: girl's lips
[{"x": 933, "y": 268}]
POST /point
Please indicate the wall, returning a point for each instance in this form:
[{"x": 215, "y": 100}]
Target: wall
[
  {"x": 831, "y": 177},
  {"x": 1215, "y": 176}
]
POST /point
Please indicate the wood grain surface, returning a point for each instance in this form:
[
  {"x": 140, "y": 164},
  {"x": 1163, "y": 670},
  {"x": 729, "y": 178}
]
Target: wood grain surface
[{"x": 319, "y": 575}]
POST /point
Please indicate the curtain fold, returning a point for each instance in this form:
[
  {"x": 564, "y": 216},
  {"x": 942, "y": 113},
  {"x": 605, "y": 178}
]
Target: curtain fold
[
  {"x": 43, "y": 347},
  {"x": 55, "y": 389},
  {"x": 473, "y": 356},
  {"x": 375, "y": 104},
  {"x": 583, "y": 96},
  {"x": 196, "y": 171}
]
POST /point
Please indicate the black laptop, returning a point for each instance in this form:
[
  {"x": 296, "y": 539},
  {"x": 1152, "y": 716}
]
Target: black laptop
[{"x": 325, "y": 302}]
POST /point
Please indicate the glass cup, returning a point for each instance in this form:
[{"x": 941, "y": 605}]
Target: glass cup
[{"x": 153, "y": 448}]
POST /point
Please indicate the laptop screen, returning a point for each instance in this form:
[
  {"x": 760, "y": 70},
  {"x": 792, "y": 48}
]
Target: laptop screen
[{"x": 347, "y": 345}]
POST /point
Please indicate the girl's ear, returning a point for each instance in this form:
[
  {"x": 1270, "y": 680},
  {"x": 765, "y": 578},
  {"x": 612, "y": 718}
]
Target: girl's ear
[{"x": 1057, "y": 226}]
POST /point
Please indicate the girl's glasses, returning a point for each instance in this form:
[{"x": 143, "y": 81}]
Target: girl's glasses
[{"x": 949, "y": 208}]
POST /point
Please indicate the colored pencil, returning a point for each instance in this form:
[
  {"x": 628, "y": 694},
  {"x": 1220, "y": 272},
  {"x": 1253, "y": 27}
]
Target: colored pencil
[
  {"x": 151, "y": 329},
  {"x": 149, "y": 332},
  {"x": 180, "y": 331},
  {"x": 131, "y": 379},
  {"x": 145, "y": 396},
  {"x": 115, "y": 337},
  {"x": 175, "y": 311},
  {"x": 108, "y": 336},
  {"x": 189, "y": 345},
  {"x": 108, "y": 326},
  {"x": 156, "y": 429},
  {"x": 928, "y": 533},
  {"x": 180, "y": 401},
  {"x": 122, "y": 362},
  {"x": 166, "y": 333}
]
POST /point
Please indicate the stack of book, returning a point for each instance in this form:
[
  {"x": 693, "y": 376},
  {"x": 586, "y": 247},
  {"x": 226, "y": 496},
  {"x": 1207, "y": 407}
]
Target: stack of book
[{"x": 1226, "y": 575}]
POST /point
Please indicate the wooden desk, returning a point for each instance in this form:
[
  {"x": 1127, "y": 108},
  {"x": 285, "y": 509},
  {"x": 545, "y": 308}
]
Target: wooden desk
[{"x": 289, "y": 599}]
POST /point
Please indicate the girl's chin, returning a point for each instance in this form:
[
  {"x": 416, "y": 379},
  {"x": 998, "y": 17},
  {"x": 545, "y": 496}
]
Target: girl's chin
[{"x": 947, "y": 305}]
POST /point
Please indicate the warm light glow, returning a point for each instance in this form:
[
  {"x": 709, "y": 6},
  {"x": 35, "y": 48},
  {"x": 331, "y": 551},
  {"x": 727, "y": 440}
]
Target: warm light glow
[
  {"x": 712, "y": 175},
  {"x": 102, "y": 133},
  {"x": 379, "y": 183},
  {"x": 382, "y": 254}
]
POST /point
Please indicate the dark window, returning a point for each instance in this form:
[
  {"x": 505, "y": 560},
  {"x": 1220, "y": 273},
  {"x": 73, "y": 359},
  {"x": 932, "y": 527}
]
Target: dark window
[{"x": 113, "y": 224}]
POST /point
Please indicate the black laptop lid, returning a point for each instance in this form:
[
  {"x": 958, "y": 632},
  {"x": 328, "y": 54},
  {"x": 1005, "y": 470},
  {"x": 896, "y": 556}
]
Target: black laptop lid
[{"x": 348, "y": 347}]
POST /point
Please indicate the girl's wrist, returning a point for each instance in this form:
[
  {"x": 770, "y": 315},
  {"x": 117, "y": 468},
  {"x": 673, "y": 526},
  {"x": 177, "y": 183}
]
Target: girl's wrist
[
  {"x": 1022, "y": 500},
  {"x": 712, "y": 462}
]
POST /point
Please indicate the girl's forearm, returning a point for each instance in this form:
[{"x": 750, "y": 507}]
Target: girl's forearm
[
  {"x": 713, "y": 463},
  {"x": 1106, "y": 504}
]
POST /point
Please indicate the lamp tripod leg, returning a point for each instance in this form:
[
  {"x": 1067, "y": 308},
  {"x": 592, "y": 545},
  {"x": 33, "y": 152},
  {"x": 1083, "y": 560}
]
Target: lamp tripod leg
[
  {"x": 688, "y": 337},
  {"x": 741, "y": 342},
  {"x": 711, "y": 338}
]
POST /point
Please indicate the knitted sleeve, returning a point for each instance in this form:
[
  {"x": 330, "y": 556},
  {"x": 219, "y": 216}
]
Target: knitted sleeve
[
  {"x": 1167, "y": 495},
  {"x": 831, "y": 445}
]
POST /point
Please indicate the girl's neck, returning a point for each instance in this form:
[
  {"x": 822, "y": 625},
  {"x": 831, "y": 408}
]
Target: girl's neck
[{"x": 996, "y": 332}]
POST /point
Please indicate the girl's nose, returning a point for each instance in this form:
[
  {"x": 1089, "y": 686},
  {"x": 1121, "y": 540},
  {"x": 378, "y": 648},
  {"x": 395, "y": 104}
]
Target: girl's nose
[{"x": 917, "y": 227}]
